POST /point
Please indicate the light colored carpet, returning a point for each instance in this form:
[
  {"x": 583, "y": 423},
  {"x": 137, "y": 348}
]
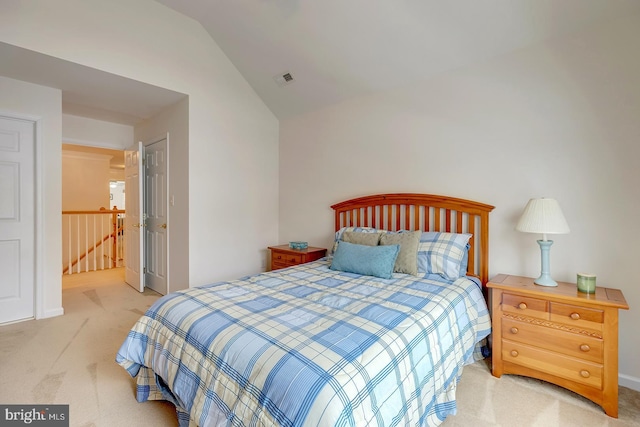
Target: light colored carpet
[
  {"x": 70, "y": 360},
  {"x": 486, "y": 401}
]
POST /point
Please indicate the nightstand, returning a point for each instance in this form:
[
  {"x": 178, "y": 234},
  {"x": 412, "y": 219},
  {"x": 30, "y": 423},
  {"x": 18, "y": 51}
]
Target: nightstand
[
  {"x": 559, "y": 335},
  {"x": 283, "y": 256}
]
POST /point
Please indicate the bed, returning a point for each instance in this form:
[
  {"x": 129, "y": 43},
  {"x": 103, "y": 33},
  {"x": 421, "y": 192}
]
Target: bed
[{"x": 326, "y": 343}]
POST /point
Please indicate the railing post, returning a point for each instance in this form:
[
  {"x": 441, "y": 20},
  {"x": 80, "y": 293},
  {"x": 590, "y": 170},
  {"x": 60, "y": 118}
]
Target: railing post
[{"x": 114, "y": 259}]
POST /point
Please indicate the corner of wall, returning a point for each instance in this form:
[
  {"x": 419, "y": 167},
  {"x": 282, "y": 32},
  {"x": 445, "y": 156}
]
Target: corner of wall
[{"x": 629, "y": 382}]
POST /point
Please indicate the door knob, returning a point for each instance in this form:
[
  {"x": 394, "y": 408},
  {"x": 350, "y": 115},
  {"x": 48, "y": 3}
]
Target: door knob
[
  {"x": 136, "y": 225},
  {"x": 164, "y": 226}
]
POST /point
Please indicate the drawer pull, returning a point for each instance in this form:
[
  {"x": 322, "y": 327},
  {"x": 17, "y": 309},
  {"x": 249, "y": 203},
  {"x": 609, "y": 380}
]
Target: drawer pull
[
  {"x": 585, "y": 347},
  {"x": 514, "y": 353},
  {"x": 514, "y": 330},
  {"x": 585, "y": 374},
  {"x": 522, "y": 306},
  {"x": 575, "y": 316}
]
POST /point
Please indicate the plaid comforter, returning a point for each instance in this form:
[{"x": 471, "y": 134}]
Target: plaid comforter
[{"x": 309, "y": 346}]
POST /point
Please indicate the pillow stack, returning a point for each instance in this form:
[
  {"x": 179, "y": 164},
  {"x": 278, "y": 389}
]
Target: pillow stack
[{"x": 370, "y": 251}]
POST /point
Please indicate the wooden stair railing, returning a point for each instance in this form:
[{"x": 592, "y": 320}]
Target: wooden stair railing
[
  {"x": 117, "y": 230},
  {"x": 94, "y": 247}
]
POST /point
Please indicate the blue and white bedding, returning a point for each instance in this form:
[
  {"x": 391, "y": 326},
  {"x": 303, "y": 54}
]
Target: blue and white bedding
[{"x": 309, "y": 346}]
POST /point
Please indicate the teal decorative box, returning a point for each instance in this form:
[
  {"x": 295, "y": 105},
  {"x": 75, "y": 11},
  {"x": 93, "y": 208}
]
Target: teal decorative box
[{"x": 298, "y": 245}]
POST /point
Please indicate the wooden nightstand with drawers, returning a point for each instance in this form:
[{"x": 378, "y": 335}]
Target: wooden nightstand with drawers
[
  {"x": 559, "y": 335},
  {"x": 283, "y": 256}
]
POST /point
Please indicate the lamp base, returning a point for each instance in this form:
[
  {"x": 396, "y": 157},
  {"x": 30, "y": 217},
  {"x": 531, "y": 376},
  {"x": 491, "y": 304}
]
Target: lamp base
[
  {"x": 545, "y": 281},
  {"x": 545, "y": 277}
]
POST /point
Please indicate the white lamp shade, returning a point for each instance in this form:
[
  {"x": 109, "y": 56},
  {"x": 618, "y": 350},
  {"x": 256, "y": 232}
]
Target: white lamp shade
[{"x": 543, "y": 216}]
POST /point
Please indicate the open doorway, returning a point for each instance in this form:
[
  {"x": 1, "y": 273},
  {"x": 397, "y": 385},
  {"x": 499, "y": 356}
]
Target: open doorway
[
  {"x": 96, "y": 234},
  {"x": 117, "y": 198},
  {"x": 93, "y": 209}
]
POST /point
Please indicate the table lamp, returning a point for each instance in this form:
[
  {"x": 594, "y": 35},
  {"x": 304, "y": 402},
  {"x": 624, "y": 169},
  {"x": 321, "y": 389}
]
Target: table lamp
[{"x": 543, "y": 216}]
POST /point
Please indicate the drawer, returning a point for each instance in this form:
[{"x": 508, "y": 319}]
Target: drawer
[
  {"x": 559, "y": 365},
  {"x": 574, "y": 315},
  {"x": 526, "y": 306},
  {"x": 289, "y": 259},
  {"x": 278, "y": 265},
  {"x": 571, "y": 344}
]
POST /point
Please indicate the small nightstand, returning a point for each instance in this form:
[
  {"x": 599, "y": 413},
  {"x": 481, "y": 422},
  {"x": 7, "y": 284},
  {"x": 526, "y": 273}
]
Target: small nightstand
[
  {"x": 559, "y": 335},
  {"x": 283, "y": 256}
]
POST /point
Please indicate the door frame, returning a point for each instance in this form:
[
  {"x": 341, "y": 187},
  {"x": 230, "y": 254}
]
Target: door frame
[
  {"x": 146, "y": 143},
  {"x": 133, "y": 279},
  {"x": 40, "y": 227},
  {"x": 39, "y": 216},
  {"x": 143, "y": 185}
]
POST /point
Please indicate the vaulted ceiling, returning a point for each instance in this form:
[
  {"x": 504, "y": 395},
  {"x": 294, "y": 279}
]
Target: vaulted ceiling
[
  {"x": 337, "y": 49},
  {"x": 333, "y": 49}
]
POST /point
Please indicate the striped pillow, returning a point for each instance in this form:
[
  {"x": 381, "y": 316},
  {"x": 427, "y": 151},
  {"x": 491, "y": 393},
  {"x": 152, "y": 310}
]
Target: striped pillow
[{"x": 442, "y": 253}]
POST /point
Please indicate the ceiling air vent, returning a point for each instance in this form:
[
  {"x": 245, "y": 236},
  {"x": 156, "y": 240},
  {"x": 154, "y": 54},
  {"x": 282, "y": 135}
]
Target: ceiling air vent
[{"x": 284, "y": 78}]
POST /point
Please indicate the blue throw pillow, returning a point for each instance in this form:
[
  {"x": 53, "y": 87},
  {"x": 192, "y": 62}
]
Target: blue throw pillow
[{"x": 375, "y": 261}]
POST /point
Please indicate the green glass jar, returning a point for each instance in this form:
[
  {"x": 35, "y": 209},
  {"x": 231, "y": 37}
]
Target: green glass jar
[{"x": 587, "y": 283}]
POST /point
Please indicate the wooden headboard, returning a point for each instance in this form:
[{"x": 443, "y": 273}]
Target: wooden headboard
[{"x": 425, "y": 212}]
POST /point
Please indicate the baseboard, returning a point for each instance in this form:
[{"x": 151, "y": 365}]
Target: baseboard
[
  {"x": 52, "y": 313},
  {"x": 629, "y": 381}
]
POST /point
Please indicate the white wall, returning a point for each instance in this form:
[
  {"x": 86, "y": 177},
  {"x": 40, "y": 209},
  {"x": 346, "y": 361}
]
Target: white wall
[
  {"x": 116, "y": 175},
  {"x": 174, "y": 121},
  {"x": 117, "y": 196},
  {"x": 233, "y": 137},
  {"x": 85, "y": 181},
  {"x": 559, "y": 120},
  {"x": 43, "y": 105},
  {"x": 96, "y": 133}
]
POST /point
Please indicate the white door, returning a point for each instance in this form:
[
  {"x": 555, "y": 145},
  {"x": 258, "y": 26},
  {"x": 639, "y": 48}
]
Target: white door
[
  {"x": 17, "y": 219},
  {"x": 155, "y": 208},
  {"x": 134, "y": 218}
]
